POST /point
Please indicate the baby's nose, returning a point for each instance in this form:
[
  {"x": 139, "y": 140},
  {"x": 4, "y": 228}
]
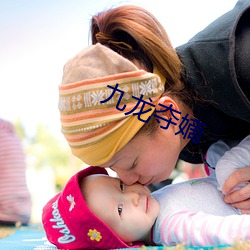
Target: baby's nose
[{"x": 133, "y": 198}]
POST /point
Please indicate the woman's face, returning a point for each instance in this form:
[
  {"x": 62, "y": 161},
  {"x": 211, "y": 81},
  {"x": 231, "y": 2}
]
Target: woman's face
[{"x": 147, "y": 159}]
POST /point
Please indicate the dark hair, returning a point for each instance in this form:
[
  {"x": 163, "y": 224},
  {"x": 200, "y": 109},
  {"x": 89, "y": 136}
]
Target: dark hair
[{"x": 137, "y": 35}]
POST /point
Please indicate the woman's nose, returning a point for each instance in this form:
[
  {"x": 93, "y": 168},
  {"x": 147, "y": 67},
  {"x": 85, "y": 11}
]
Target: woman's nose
[{"x": 126, "y": 177}]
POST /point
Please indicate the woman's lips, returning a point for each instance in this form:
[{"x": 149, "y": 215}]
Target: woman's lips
[{"x": 148, "y": 183}]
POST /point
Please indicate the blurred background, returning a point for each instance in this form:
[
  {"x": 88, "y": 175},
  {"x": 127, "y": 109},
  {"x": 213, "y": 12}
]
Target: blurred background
[{"x": 36, "y": 40}]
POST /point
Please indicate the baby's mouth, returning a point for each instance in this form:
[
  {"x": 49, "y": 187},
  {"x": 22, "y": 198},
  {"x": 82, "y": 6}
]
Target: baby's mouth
[{"x": 147, "y": 203}]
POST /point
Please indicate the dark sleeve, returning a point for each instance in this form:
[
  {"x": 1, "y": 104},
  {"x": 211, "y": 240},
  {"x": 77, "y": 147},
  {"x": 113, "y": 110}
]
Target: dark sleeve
[
  {"x": 242, "y": 53},
  {"x": 216, "y": 65}
]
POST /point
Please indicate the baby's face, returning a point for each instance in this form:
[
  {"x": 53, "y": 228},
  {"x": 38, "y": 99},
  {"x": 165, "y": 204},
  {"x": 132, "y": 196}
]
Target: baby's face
[{"x": 130, "y": 211}]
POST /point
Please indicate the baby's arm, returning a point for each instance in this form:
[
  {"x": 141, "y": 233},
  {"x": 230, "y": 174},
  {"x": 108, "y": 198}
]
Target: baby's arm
[
  {"x": 214, "y": 153},
  {"x": 237, "y": 157},
  {"x": 201, "y": 229}
]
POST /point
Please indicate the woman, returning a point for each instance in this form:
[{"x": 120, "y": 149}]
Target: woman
[{"x": 206, "y": 81}]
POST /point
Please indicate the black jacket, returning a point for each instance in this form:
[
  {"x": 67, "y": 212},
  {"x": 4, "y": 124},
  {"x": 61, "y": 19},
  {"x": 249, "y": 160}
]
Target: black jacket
[{"x": 217, "y": 66}]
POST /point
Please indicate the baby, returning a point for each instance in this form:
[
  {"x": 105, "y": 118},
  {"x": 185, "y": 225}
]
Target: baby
[{"x": 96, "y": 211}]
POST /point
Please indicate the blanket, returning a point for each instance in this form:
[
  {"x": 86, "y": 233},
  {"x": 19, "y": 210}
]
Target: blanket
[{"x": 33, "y": 238}]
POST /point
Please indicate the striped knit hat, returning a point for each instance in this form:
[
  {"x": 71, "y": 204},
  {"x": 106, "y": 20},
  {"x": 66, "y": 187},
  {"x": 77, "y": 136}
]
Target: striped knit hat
[{"x": 95, "y": 128}]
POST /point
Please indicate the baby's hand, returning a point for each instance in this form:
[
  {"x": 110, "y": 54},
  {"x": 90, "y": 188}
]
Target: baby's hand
[{"x": 241, "y": 197}]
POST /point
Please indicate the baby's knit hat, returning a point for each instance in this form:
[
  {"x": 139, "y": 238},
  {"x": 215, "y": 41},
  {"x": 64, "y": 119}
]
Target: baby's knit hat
[{"x": 69, "y": 223}]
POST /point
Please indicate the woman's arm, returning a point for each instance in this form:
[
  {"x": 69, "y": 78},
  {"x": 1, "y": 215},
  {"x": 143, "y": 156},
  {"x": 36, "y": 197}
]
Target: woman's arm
[
  {"x": 233, "y": 175},
  {"x": 240, "y": 198}
]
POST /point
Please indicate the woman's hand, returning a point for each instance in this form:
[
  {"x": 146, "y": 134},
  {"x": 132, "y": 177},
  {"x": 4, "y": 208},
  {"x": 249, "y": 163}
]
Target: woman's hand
[{"x": 241, "y": 197}]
